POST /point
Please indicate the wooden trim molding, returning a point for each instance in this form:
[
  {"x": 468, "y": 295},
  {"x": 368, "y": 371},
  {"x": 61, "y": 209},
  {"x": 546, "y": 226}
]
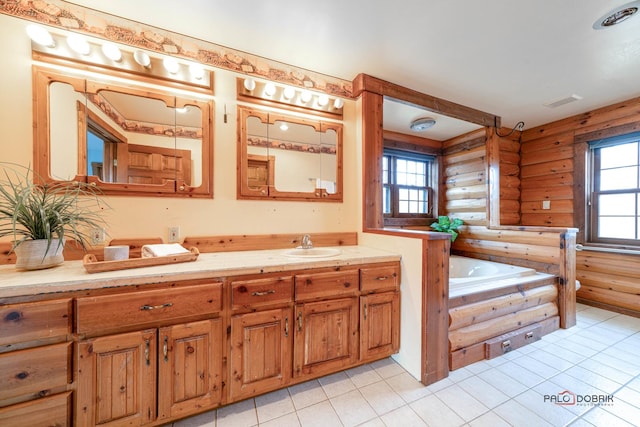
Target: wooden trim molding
[{"x": 365, "y": 83}]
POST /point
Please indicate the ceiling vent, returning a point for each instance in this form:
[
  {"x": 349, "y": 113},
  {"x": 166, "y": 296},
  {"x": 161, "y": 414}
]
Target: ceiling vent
[
  {"x": 563, "y": 101},
  {"x": 617, "y": 15}
]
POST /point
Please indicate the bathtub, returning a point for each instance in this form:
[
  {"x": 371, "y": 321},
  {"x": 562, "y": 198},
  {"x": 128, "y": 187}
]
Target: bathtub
[{"x": 469, "y": 275}]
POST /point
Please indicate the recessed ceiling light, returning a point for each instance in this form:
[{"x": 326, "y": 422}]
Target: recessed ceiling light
[
  {"x": 617, "y": 15},
  {"x": 422, "y": 124}
]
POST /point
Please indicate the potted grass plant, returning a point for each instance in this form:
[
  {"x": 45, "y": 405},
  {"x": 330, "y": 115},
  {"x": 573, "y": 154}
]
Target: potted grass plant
[
  {"x": 39, "y": 218},
  {"x": 448, "y": 225}
]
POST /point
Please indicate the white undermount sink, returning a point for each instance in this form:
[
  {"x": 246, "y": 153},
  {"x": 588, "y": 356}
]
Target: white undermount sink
[{"x": 312, "y": 252}]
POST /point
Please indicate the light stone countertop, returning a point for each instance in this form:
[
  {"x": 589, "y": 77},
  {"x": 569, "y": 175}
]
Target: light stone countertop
[{"x": 71, "y": 275}]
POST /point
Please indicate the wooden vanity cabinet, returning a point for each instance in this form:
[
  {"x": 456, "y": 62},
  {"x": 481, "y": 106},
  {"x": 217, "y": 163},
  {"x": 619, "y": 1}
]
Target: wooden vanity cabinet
[
  {"x": 171, "y": 368},
  {"x": 35, "y": 363},
  {"x": 379, "y": 311},
  {"x": 261, "y": 335},
  {"x": 326, "y": 331}
]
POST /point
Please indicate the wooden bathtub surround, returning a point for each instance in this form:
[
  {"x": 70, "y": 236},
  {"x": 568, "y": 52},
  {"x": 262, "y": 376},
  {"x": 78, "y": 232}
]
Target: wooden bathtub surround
[
  {"x": 184, "y": 346},
  {"x": 545, "y": 249}
]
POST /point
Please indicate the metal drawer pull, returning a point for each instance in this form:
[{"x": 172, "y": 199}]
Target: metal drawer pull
[
  {"x": 506, "y": 344},
  {"x": 365, "y": 312},
  {"x": 286, "y": 326},
  {"x": 528, "y": 335},
  {"x": 299, "y": 321},
  {"x": 154, "y": 307},
  {"x": 382, "y": 278},
  {"x": 146, "y": 352},
  {"x": 165, "y": 349},
  {"x": 261, "y": 294}
]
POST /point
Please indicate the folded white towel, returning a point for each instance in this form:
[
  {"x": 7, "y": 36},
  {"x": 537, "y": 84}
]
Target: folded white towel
[{"x": 162, "y": 249}]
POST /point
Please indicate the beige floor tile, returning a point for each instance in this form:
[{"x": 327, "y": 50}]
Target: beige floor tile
[
  {"x": 387, "y": 368},
  {"x": 274, "y": 405},
  {"x": 484, "y": 392},
  {"x": 532, "y": 364},
  {"x": 592, "y": 378},
  {"x": 207, "y": 419},
  {"x": 381, "y": 397},
  {"x": 518, "y": 415},
  {"x": 336, "y": 384},
  {"x": 620, "y": 408},
  {"x": 601, "y": 418},
  {"x": 307, "y": 394},
  {"x": 606, "y": 371},
  {"x": 408, "y": 387},
  {"x": 319, "y": 415},
  {"x": 403, "y": 417},
  {"x": 289, "y": 420},
  {"x": 463, "y": 403},
  {"x": 554, "y": 414},
  {"x": 503, "y": 382},
  {"x": 352, "y": 408},
  {"x": 363, "y": 375},
  {"x": 489, "y": 419},
  {"x": 434, "y": 412},
  {"x": 521, "y": 373},
  {"x": 240, "y": 414}
]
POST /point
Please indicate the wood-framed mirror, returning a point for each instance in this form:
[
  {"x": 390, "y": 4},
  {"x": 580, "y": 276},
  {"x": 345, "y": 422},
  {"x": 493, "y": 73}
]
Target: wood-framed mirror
[
  {"x": 287, "y": 157},
  {"x": 124, "y": 138}
]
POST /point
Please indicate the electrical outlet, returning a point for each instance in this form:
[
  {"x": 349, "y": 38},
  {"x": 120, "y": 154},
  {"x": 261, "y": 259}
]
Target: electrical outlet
[
  {"x": 546, "y": 204},
  {"x": 97, "y": 236},
  {"x": 174, "y": 234}
]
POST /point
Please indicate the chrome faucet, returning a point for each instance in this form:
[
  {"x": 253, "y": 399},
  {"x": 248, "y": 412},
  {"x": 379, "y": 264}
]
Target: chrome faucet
[{"x": 306, "y": 242}]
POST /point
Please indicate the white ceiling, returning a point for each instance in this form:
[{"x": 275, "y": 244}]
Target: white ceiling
[{"x": 503, "y": 57}]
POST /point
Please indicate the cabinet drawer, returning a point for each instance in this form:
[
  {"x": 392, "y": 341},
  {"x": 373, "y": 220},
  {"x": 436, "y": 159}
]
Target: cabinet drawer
[
  {"x": 27, "y": 372},
  {"x": 261, "y": 292},
  {"x": 49, "y": 411},
  {"x": 510, "y": 341},
  {"x": 33, "y": 321},
  {"x": 136, "y": 310},
  {"x": 380, "y": 278},
  {"x": 322, "y": 285}
]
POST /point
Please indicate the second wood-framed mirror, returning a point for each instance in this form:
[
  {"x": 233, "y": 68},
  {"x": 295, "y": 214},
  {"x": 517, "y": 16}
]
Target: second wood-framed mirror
[{"x": 288, "y": 157}]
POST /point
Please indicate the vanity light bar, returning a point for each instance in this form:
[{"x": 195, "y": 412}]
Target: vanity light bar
[
  {"x": 302, "y": 100},
  {"x": 95, "y": 55}
]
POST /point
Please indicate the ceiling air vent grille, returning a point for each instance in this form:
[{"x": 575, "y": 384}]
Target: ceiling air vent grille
[{"x": 563, "y": 101}]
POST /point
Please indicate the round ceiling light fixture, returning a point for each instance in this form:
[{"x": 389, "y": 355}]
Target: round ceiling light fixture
[
  {"x": 617, "y": 15},
  {"x": 422, "y": 124}
]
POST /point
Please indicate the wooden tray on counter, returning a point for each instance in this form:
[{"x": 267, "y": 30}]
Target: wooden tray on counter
[{"x": 92, "y": 265}]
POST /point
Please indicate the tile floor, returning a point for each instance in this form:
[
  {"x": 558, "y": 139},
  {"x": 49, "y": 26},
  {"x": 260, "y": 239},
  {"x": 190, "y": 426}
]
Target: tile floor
[{"x": 597, "y": 359}]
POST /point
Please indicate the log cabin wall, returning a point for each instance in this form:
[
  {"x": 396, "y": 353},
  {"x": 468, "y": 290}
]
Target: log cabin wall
[
  {"x": 464, "y": 190},
  {"x": 509, "y": 151},
  {"x": 552, "y": 167}
]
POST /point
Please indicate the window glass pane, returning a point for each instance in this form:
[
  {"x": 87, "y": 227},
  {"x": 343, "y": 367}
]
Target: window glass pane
[
  {"x": 386, "y": 200},
  {"x": 619, "y": 178},
  {"x": 403, "y": 206},
  {"x": 385, "y": 169},
  {"x": 617, "y": 227},
  {"x": 617, "y": 204},
  {"x": 619, "y": 155}
]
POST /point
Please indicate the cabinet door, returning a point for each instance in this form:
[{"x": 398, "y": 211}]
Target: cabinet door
[
  {"x": 326, "y": 337},
  {"x": 260, "y": 352},
  {"x": 379, "y": 325},
  {"x": 117, "y": 380},
  {"x": 189, "y": 367}
]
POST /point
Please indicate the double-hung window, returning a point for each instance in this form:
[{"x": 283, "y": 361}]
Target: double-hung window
[
  {"x": 407, "y": 185},
  {"x": 614, "y": 202}
]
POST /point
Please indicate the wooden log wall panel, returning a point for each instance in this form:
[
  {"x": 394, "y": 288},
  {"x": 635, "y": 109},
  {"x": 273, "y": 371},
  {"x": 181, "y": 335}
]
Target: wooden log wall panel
[
  {"x": 464, "y": 178},
  {"x": 609, "y": 280},
  {"x": 509, "y": 153}
]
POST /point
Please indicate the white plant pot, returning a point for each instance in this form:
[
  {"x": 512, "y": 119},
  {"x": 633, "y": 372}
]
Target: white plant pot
[{"x": 33, "y": 254}]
